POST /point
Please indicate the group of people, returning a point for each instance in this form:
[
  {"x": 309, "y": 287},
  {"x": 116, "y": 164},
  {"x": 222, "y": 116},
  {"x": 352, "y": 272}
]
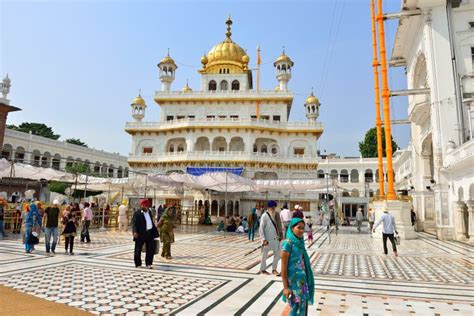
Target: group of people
[
  {"x": 36, "y": 220},
  {"x": 146, "y": 231}
]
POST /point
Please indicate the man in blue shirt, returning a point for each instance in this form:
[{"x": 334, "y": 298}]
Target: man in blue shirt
[{"x": 388, "y": 230}]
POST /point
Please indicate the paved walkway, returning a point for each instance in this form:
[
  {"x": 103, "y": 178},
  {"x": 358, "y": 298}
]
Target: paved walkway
[{"x": 216, "y": 274}]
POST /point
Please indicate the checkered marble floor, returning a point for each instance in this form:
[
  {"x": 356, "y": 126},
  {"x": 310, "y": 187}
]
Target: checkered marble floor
[{"x": 217, "y": 274}]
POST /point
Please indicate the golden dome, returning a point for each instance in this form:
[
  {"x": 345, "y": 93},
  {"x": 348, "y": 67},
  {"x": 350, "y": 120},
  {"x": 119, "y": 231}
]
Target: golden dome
[
  {"x": 204, "y": 59},
  {"x": 312, "y": 99},
  {"x": 283, "y": 57},
  {"x": 226, "y": 55},
  {"x": 138, "y": 101},
  {"x": 186, "y": 88},
  {"x": 167, "y": 60}
]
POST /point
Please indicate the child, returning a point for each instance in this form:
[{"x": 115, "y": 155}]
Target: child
[{"x": 310, "y": 233}]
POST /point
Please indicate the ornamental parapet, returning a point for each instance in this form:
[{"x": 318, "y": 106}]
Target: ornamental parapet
[
  {"x": 315, "y": 127},
  {"x": 262, "y": 95},
  {"x": 224, "y": 156}
]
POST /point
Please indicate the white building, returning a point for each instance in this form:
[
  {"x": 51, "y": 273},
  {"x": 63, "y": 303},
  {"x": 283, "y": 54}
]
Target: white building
[
  {"x": 435, "y": 42},
  {"x": 50, "y": 153},
  {"x": 226, "y": 123}
]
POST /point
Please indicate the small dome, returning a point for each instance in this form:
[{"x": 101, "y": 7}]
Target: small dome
[
  {"x": 204, "y": 60},
  {"x": 312, "y": 100},
  {"x": 167, "y": 60},
  {"x": 277, "y": 88},
  {"x": 283, "y": 58},
  {"x": 186, "y": 88},
  {"x": 138, "y": 101},
  {"x": 245, "y": 59}
]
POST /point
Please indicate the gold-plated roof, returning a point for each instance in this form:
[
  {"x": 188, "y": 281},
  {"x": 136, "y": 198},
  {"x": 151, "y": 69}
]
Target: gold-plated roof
[
  {"x": 138, "y": 101},
  {"x": 226, "y": 55},
  {"x": 167, "y": 60},
  {"x": 285, "y": 58},
  {"x": 186, "y": 88},
  {"x": 312, "y": 99}
]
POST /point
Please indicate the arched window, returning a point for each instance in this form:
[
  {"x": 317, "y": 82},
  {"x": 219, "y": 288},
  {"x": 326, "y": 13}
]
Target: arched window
[
  {"x": 228, "y": 71},
  {"x": 264, "y": 149},
  {"x": 274, "y": 150},
  {"x": 235, "y": 85},
  {"x": 283, "y": 67},
  {"x": 224, "y": 85},
  {"x": 171, "y": 148},
  {"x": 212, "y": 85},
  {"x": 180, "y": 148},
  {"x": 255, "y": 149},
  {"x": 220, "y": 71}
]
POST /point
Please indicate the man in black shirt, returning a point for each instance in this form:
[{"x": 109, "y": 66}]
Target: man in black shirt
[{"x": 51, "y": 216}]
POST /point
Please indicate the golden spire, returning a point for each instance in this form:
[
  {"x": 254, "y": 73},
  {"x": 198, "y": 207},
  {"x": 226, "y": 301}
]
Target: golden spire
[{"x": 228, "y": 33}]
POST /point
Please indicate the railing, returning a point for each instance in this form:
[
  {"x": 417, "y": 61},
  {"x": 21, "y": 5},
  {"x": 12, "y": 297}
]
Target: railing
[
  {"x": 224, "y": 155},
  {"x": 224, "y": 92},
  {"x": 220, "y": 121}
]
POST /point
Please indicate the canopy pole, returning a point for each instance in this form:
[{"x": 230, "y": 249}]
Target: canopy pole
[
  {"x": 146, "y": 184},
  {"x": 85, "y": 186},
  {"x": 103, "y": 209},
  {"x": 225, "y": 196}
]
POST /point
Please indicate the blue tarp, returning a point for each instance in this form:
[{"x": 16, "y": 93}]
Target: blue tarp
[{"x": 197, "y": 171}]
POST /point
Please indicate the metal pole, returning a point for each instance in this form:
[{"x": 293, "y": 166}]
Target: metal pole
[
  {"x": 103, "y": 209},
  {"x": 146, "y": 183},
  {"x": 85, "y": 186},
  {"x": 378, "y": 120},
  {"x": 225, "y": 197}
]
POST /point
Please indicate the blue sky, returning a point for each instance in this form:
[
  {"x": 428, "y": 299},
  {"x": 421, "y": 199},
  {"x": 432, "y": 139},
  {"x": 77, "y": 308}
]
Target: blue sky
[{"x": 76, "y": 65}]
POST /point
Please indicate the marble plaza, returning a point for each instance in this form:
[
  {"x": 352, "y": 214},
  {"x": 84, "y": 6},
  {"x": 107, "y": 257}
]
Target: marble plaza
[{"x": 216, "y": 274}]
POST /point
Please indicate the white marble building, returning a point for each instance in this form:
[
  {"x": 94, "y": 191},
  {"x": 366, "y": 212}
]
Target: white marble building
[
  {"x": 46, "y": 152},
  {"x": 435, "y": 43},
  {"x": 227, "y": 122}
]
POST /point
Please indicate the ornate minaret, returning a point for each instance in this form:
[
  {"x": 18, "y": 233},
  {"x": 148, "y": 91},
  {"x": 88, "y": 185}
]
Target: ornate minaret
[
  {"x": 167, "y": 68},
  {"x": 283, "y": 66},
  {"x": 312, "y": 105},
  {"x": 138, "y": 108},
  {"x": 6, "y": 84}
]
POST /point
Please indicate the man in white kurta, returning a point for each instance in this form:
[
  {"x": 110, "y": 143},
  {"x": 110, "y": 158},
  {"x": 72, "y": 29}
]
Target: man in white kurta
[
  {"x": 122, "y": 217},
  {"x": 271, "y": 234}
]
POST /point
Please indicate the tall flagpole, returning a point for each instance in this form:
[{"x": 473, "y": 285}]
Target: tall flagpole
[
  {"x": 386, "y": 104},
  {"x": 257, "y": 110},
  {"x": 378, "y": 121}
]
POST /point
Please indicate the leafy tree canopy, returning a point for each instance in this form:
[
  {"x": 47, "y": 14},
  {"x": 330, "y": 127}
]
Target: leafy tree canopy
[
  {"x": 76, "y": 141},
  {"x": 39, "y": 129},
  {"x": 78, "y": 168},
  {"x": 368, "y": 147}
]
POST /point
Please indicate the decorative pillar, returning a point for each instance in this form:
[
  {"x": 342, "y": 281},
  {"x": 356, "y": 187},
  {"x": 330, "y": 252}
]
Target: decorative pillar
[
  {"x": 460, "y": 210},
  {"x": 470, "y": 228}
]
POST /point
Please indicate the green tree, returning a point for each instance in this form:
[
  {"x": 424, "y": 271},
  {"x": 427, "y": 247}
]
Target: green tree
[
  {"x": 58, "y": 187},
  {"x": 78, "y": 168},
  {"x": 76, "y": 141},
  {"x": 368, "y": 147},
  {"x": 39, "y": 129}
]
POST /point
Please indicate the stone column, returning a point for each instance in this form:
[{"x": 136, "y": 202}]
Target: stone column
[
  {"x": 460, "y": 227},
  {"x": 470, "y": 210}
]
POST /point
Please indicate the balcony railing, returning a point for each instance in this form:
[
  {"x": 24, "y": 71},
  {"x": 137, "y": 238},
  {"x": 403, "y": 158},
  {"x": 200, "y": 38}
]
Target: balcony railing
[
  {"x": 185, "y": 122},
  {"x": 224, "y": 156}
]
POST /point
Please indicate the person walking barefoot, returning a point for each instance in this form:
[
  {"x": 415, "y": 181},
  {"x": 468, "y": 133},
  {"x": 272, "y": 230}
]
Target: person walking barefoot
[{"x": 296, "y": 273}]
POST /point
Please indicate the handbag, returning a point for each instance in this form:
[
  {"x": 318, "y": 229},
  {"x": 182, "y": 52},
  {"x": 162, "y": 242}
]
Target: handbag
[
  {"x": 398, "y": 240},
  {"x": 157, "y": 246},
  {"x": 33, "y": 240}
]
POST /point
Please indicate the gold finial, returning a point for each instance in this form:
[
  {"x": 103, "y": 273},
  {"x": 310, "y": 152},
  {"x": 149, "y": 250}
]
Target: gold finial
[
  {"x": 168, "y": 52},
  {"x": 228, "y": 33},
  {"x": 283, "y": 50},
  {"x": 312, "y": 91},
  {"x": 139, "y": 92}
]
